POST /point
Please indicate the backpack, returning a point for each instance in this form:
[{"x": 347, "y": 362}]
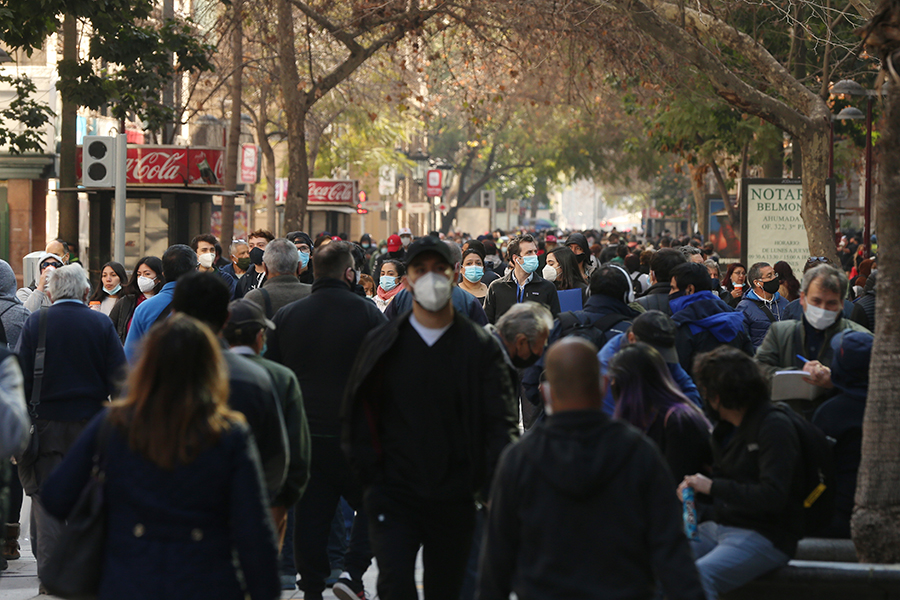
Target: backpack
[
  {"x": 817, "y": 472},
  {"x": 597, "y": 332}
]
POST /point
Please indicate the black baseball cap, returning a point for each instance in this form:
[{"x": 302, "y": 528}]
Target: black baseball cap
[
  {"x": 657, "y": 329},
  {"x": 428, "y": 244},
  {"x": 245, "y": 312}
]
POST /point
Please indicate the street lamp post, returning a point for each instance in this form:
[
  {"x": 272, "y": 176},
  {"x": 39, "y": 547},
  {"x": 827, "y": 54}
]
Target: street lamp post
[
  {"x": 420, "y": 166},
  {"x": 851, "y": 88},
  {"x": 446, "y": 169}
]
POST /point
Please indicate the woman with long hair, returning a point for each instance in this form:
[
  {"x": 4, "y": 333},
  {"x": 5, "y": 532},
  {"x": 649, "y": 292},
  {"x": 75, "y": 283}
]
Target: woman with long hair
[
  {"x": 391, "y": 281},
  {"x": 183, "y": 488},
  {"x": 647, "y": 397},
  {"x": 563, "y": 270},
  {"x": 735, "y": 284},
  {"x": 111, "y": 288},
  {"x": 790, "y": 287},
  {"x": 146, "y": 281}
]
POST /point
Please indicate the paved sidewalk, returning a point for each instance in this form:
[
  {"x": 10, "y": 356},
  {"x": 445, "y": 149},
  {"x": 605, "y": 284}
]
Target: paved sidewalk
[{"x": 20, "y": 581}]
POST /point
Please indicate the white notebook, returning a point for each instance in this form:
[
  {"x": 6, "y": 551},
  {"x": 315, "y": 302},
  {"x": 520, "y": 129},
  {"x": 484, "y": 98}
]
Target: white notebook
[{"x": 791, "y": 385}]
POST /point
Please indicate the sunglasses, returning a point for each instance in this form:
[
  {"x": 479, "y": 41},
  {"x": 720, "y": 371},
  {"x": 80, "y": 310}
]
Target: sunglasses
[{"x": 817, "y": 259}]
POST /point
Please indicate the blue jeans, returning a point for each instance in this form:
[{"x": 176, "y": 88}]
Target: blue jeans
[{"x": 729, "y": 557}]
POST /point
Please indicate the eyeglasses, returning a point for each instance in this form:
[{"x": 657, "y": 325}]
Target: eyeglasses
[{"x": 817, "y": 259}]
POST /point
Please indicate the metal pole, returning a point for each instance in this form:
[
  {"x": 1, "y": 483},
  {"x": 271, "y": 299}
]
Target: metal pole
[
  {"x": 121, "y": 156},
  {"x": 867, "y": 208}
]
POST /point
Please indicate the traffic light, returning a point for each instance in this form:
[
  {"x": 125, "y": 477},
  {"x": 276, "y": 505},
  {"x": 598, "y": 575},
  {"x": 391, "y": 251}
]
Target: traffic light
[
  {"x": 98, "y": 166},
  {"x": 360, "y": 210}
]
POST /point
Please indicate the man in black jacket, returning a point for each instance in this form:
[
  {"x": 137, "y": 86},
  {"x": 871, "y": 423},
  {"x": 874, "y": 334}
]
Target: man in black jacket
[
  {"x": 205, "y": 297},
  {"x": 657, "y": 295},
  {"x": 607, "y": 314},
  {"x": 577, "y": 472},
  {"x": 428, "y": 409},
  {"x": 756, "y": 488},
  {"x": 317, "y": 338},
  {"x": 521, "y": 284}
]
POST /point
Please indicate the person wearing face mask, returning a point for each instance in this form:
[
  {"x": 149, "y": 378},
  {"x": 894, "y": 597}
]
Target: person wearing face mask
[
  {"x": 822, "y": 292},
  {"x": 406, "y": 237},
  {"x": 146, "y": 281},
  {"x": 473, "y": 274},
  {"x": 578, "y": 244},
  {"x": 390, "y": 283},
  {"x": 35, "y": 296},
  {"x": 240, "y": 262},
  {"x": 395, "y": 251},
  {"x": 255, "y": 275},
  {"x": 304, "y": 245},
  {"x": 522, "y": 283},
  {"x": 423, "y": 463},
  {"x": 177, "y": 260},
  {"x": 281, "y": 286},
  {"x": 762, "y": 304},
  {"x": 563, "y": 270},
  {"x": 110, "y": 290},
  {"x": 489, "y": 275},
  {"x": 337, "y": 321},
  {"x": 205, "y": 247}
]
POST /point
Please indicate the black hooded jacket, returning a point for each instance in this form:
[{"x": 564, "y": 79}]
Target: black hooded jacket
[{"x": 585, "y": 507}]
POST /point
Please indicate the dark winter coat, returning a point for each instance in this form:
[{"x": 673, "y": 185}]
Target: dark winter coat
[
  {"x": 173, "y": 534},
  {"x": 579, "y": 472},
  {"x": 502, "y": 294},
  {"x": 757, "y": 319},
  {"x": 486, "y": 412},
  {"x": 317, "y": 338},
  {"x": 757, "y": 478},
  {"x": 656, "y": 297}
]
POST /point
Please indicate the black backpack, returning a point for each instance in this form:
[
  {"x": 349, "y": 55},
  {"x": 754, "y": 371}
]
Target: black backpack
[
  {"x": 597, "y": 332},
  {"x": 818, "y": 474}
]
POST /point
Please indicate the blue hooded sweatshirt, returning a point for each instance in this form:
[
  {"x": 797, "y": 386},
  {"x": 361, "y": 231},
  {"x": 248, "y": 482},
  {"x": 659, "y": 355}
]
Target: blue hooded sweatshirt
[{"x": 704, "y": 311}]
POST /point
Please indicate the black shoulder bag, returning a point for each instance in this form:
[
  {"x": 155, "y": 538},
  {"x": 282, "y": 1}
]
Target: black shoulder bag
[{"x": 75, "y": 567}]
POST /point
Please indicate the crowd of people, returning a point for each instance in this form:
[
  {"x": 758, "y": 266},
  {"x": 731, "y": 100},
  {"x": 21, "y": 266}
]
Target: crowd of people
[{"x": 280, "y": 415}]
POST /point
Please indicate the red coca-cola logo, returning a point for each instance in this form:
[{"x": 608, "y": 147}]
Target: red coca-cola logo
[
  {"x": 163, "y": 167},
  {"x": 332, "y": 191}
]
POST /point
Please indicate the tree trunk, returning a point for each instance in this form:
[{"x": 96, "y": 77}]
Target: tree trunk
[
  {"x": 68, "y": 201},
  {"x": 295, "y": 109},
  {"x": 876, "y": 518},
  {"x": 700, "y": 202},
  {"x": 234, "y": 125},
  {"x": 814, "y": 209},
  {"x": 726, "y": 197}
]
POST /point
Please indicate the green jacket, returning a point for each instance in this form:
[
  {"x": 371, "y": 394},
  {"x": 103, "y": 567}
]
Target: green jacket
[
  {"x": 288, "y": 389},
  {"x": 779, "y": 351}
]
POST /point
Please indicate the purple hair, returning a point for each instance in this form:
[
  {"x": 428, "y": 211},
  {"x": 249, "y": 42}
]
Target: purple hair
[{"x": 643, "y": 388}]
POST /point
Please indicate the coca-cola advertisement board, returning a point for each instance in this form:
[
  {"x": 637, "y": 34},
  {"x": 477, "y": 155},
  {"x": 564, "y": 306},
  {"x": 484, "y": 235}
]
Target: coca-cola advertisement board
[
  {"x": 332, "y": 192},
  {"x": 171, "y": 165}
]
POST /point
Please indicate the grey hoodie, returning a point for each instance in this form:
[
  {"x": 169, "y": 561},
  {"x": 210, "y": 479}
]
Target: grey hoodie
[{"x": 12, "y": 313}]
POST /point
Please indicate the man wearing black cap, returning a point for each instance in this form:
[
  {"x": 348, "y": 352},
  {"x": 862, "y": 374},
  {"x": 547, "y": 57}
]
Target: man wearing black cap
[
  {"x": 317, "y": 339},
  {"x": 245, "y": 333},
  {"x": 428, "y": 409}
]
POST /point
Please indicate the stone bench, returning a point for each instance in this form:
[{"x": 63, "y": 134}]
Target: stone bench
[
  {"x": 823, "y": 580},
  {"x": 826, "y": 550}
]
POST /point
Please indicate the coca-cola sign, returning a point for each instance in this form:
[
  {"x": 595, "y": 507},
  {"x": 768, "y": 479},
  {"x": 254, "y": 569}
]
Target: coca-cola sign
[
  {"x": 332, "y": 192},
  {"x": 172, "y": 165}
]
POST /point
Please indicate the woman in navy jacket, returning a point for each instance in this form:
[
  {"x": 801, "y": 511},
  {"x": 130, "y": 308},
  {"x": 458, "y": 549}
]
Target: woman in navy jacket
[{"x": 183, "y": 489}]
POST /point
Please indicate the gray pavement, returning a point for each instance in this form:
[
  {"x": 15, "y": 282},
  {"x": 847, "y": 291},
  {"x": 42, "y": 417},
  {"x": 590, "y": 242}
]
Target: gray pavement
[{"x": 20, "y": 581}]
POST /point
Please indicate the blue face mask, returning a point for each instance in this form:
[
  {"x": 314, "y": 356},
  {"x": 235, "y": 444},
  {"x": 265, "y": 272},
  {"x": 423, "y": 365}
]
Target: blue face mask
[
  {"x": 304, "y": 258},
  {"x": 529, "y": 264},
  {"x": 115, "y": 290},
  {"x": 473, "y": 273},
  {"x": 387, "y": 282}
]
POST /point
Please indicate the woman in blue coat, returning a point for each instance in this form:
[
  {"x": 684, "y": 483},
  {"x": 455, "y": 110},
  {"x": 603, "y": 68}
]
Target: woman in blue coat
[{"x": 183, "y": 485}]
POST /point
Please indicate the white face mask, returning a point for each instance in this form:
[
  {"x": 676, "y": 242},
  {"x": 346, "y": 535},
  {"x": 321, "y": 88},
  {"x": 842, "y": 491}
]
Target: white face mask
[
  {"x": 549, "y": 273},
  {"x": 432, "y": 291},
  {"x": 820, "y": 318},
  {"x": 145, "y": 284},
  {"x": 405, "y": 241},
  {"x": 206, "y": 260}
]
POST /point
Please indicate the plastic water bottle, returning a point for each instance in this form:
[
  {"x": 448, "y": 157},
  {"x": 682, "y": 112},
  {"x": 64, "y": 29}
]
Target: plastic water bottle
[{"x": 690, "y": 513}]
